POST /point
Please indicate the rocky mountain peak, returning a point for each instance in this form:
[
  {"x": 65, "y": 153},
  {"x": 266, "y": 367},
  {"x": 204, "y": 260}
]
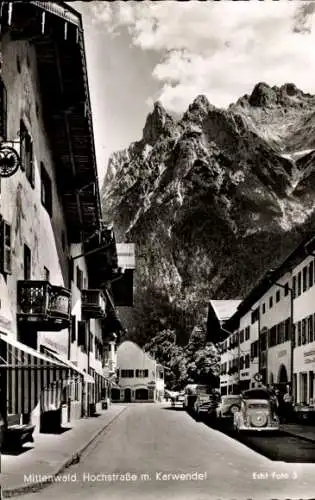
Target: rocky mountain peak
[
  {"x": 197, "y": 194},
  {"x": 158, "y": 123}
]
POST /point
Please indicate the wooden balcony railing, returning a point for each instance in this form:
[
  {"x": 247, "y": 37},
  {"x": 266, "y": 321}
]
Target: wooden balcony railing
[
  {"x": 93, "y": 303},
  {"x": 44, "y": 305}
]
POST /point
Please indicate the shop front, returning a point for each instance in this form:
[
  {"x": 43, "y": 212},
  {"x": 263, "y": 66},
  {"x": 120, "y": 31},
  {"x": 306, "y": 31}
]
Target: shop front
[{"x": 304, "y": 371}]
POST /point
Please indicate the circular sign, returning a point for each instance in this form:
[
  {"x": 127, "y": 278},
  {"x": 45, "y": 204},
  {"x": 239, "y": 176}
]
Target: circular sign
[
  {"x": 258, "y": 377},
  {"x": 9, "y": 161}
]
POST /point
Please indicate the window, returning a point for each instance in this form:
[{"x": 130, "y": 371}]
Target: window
[
  {"x": 46, "y": 274},
  {"x": 91, "y": 339},
  {"x": 281, "y": 332},
  {"x": 27, "y": 263},
  {"x": 310, "y": 329},
  {"x": 27, "y": 156},
  {"x": 73, "y": 328},
  {"x": 304, "y": 331},
  {"x": 3, "y": 111},
  {"x": 278, "y": 296},
  {"x": 18, "y": 64},
  {"x": 6, "y": 250},
  {"x": 287, "y": 330},
  {"x": 299, "y": 284},
  {"x": 70, "y": 271},
  {"x": 241, "y": 336},
  {"x": 311, "y": 274},
  {"x": 247, "y": 361},
  {"x": 263, "y": 308},
  {"x": 79, "y": 278},
  {"x": 299, "y": 332},
  {"x": 142, "y": 373},
  {"x": 255, "y": 315},
  {"x": 286, "y": 289},
  {"x": 305, "y": 274},
  {"x": 294, "y": 287},
  {"x": 46, "y": 189},
  {"x": 82, "y": 337},
  {"x": 254, "y": 349},
  {"x": 127, "y": 373},
  {"x": 270, "y": 302},
  {"x": 247, "y": 333}
]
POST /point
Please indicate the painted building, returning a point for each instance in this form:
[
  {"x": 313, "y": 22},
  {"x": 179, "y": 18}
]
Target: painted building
[
  {"x": 57, "y": 259},
  {"x": 282, "y": 308},
  {"x": 141, "y": 378}
]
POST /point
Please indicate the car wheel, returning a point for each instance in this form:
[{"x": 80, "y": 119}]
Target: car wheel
[{"x": 234, "y": 409}]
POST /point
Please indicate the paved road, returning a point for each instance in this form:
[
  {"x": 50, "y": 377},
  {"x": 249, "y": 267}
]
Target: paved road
[
  {"x": 150, "y": 440},
  {"x": 277, "y": 447}
]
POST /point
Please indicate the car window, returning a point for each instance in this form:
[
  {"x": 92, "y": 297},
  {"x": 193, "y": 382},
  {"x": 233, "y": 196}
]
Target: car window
[
  {"x": 256, "y": 394},
  {"x": 203, "y": 389},
  {"x": 231, "y": 400}
]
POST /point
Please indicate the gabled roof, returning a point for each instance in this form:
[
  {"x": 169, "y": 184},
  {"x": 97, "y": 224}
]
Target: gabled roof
[{"x": 224, "y": 309}]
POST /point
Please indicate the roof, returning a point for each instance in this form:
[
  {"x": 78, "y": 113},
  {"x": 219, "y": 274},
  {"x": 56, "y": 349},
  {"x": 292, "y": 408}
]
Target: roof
[{"x": 224, "y": 309}]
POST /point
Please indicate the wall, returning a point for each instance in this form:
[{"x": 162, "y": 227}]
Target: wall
[{"x": 20, "y": 203}]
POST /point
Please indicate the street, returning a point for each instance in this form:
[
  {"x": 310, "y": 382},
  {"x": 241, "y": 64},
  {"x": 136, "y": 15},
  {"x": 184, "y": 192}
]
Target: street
[{"x": 153, "y": 451}]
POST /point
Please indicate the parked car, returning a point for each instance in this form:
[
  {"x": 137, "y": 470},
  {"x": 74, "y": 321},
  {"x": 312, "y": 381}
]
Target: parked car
[
  {"x": 228, "y": 405},
  {"x": 257, "y": 412},
  {"x": 190, "y": 396},
  {"x": 205, "y": 403}
]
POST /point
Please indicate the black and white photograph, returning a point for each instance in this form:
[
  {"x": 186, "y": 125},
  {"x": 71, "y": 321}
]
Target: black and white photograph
[{"x": 157, "y": 250}]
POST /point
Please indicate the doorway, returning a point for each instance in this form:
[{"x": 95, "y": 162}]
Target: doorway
[{"x": 127, "y": 395}]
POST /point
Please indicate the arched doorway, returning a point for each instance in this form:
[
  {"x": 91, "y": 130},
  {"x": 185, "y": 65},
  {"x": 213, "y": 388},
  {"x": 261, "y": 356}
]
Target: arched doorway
[
  {"x": 142, "y": 394},
  {"x": 115, "y": 394},
  {"x": 282, "y": 378},
  {"x": 127, "y": 395}
]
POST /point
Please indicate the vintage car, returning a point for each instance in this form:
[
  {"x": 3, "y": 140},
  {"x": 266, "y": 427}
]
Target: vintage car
[
  {"x": 204, "y": 401},
  {"x": 257, "y": 412},
  {"x": 228, "y": 405}
]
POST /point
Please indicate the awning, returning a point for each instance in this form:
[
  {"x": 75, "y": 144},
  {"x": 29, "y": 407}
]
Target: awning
[
  {"x": 30, "y": 376},
  {"x": 18, "y": 359},
  {"x": 86, "y": 377}
]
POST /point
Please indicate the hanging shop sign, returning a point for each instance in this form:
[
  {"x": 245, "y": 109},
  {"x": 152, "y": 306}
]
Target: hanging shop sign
[
  {"x": 9, "y": 160},
  {"x": 258, "y": 377}
]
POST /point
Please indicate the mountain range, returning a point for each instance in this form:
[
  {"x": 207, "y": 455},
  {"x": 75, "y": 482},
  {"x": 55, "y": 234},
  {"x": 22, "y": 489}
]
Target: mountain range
[{"x": 211, "y": 200}]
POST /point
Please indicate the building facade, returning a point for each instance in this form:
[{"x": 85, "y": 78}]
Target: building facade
[
  {"x": 57, "y": 259},
  {"x": 141, "y": 378},
  {"x": 280, "y": 313}
]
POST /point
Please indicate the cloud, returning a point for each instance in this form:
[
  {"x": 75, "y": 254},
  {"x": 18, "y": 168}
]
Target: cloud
[
  {"x": 221, "y": 49},
  {"x": 303, "y": 17}
]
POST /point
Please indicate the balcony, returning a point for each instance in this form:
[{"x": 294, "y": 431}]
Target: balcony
[
  {"x": 43, "y": 305},
  {"x": 93, "y": 303}
]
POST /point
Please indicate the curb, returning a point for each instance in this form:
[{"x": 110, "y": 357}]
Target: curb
[
  {"x": 73, "y": 459},
  {"x": 300, "y": 436}
]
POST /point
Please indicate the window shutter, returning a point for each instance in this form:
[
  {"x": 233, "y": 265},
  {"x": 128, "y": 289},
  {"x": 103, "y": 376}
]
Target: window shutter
[
  {"x": 82, "y": 334},
  {"x": 5, "y": 247},
  {"x": 3, "y": 111}
]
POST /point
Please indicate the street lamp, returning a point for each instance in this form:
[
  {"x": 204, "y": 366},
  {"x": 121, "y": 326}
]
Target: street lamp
[{"x": 292, "y": 297}]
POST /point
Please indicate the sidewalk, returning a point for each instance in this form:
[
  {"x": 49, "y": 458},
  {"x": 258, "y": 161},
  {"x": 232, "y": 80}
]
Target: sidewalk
[
  {"x": 51, "y": 454},
  {"x": 302, "y": 431}
]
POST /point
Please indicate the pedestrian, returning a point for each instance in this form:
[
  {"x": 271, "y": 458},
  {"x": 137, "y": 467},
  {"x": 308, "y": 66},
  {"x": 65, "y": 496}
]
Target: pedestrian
[{"x": 287, "y": 405}]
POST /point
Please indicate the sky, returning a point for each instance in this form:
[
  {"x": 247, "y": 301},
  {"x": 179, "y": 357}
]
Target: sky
[{"x": 169, "y": 51}]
